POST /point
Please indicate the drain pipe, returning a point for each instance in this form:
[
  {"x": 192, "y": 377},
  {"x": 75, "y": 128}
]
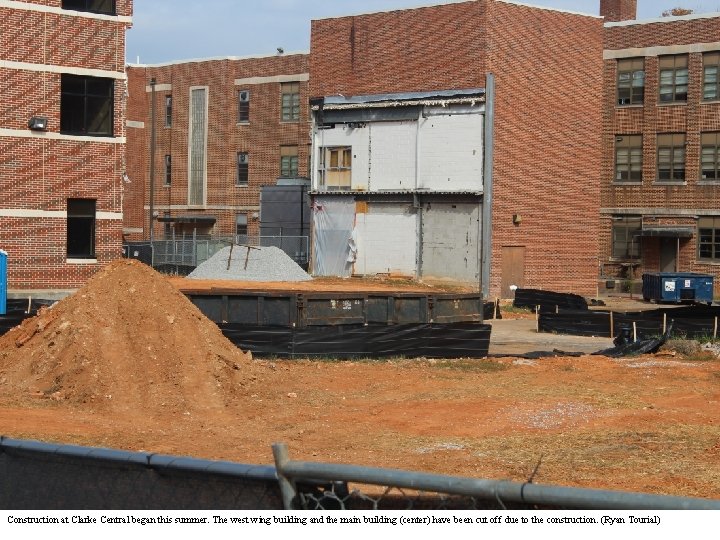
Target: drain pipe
[{"x": 488, "y": 143}]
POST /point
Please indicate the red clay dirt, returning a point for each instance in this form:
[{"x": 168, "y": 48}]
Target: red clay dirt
[{"x": 128, "y": 362}]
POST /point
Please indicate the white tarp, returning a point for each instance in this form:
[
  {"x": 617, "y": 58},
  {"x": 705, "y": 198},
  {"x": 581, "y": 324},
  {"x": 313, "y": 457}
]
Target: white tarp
[{"x": 333, "y": 242}]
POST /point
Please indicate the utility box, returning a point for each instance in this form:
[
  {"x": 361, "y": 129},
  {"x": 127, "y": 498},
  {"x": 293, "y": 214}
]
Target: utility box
[
  {"x": 3, "y": 282},
  {"x": 678, "y": 287}
]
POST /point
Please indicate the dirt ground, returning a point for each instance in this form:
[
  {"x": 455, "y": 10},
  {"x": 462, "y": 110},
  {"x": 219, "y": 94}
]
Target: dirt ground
[{"x": 141, "y": 370}]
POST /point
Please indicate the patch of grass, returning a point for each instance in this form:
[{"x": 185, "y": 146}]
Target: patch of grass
[
  {"x": 472, "y": 365},
  {"x": 509, "y": 308}
]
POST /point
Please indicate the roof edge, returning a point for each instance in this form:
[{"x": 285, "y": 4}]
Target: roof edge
[
  {"x": 656, "y": 20},
  {"x": 217, "y": 58}
]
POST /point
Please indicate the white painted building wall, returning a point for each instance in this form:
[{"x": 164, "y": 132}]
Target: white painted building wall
[
  {"x": 386, "y": 239},
  {"x": 440, "y": 152}
]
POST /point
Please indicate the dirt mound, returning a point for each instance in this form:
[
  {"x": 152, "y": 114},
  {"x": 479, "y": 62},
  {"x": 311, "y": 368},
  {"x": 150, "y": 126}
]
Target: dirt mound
[{"x": 127, "y": 340}]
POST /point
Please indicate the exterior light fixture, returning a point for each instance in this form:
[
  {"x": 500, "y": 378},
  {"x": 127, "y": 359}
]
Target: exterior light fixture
[{"x": 38, "y": 123}]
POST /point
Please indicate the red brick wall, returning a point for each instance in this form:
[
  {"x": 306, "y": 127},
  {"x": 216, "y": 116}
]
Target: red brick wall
[
  {"x": 262, "y": 137},
  {"x": 39, "y": 172},
  {"x": 677, "y": 204},
  {"x": 548, "y": 71},
  {"x": 433, "y": 48},
  {"x": 618, "y": 10}
]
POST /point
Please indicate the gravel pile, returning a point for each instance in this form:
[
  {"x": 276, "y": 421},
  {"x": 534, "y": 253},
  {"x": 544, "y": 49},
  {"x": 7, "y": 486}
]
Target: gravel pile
[{"x": 250, "y": 264}]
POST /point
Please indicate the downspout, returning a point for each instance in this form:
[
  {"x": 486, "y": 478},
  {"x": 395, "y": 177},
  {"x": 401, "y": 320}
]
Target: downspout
[
  {"x": 488, "y": 143},
  {"x": 151, "y": 216},
  {"x": 417, "y": 205}
]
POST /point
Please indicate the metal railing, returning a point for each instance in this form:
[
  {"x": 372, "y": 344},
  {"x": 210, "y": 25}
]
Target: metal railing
[{"x": 394, "y": 489}]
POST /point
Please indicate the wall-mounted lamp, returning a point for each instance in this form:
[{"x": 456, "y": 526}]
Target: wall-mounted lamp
[
  {"x": 38, "y": 123},
  {"x": 517, "y": 219}
]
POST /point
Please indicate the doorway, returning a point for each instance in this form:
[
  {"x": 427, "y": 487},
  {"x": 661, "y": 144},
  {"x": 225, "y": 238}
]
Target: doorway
[
  {"x": 513, "y": 270},
  {"x": 668, "y": 254}
]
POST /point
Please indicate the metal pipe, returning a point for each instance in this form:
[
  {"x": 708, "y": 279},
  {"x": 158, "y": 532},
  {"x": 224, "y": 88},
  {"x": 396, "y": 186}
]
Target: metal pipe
[
  {"x": 488, "y": 143},
  {"x": 503, "y": 490},
  {"x": 151, "y": 215},
  {"x": 287, "y": 486}
]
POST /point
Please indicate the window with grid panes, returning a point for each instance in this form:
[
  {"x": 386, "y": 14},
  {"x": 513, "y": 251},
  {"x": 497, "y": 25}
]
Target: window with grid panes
[
  {"x": 290, "y": 101},
  {"x": 86, "y": 105},
  {"x": 335, "y": 168},
  {"x": 710, "y": 156},
  {"x": 289, "y": 161},
  {"x": 673, "y": 78},
  {"x": 244, "y": 106},
  {"x": 168, "y": 111},
  {"x": 631, "y": 81},
  {"x": 628, "y": 158},
  {"x": 626, "y": 237},
  {"x": 709, "y": 238},
  {"x": 671, "y": 157},
  {"x": 168, "y": 169},
  {"x": 711, "y": 76}
]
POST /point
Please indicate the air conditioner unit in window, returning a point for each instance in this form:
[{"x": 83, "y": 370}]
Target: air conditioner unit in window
[
  {"x": 244, "y": 96},
  {"x": 242, "y": 158}
]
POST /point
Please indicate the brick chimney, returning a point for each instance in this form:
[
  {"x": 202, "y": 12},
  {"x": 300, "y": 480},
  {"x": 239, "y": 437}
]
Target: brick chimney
[{"x": 618, "y": 10}]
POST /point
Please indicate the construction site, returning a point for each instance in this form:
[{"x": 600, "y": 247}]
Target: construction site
[{"x": 129, "y": 363}]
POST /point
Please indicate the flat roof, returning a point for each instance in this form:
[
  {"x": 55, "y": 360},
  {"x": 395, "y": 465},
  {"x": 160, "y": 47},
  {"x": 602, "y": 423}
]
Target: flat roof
[
  {"x": 219, "y": 58},
  {"x": 448, "y": 2},
  {"x": 679, "y": 18}
]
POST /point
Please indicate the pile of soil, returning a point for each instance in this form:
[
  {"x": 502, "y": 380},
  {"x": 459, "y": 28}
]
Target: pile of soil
[{"x": 128, "y": 340}]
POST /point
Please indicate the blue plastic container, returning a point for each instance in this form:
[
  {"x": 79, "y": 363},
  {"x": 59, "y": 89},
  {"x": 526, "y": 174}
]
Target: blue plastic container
[
  {"x": 678, "y": 287},
  {"x": 3, "y": 282}
]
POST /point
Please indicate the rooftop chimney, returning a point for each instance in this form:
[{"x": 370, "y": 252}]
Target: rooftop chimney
[{"x": 618, "y": 10}]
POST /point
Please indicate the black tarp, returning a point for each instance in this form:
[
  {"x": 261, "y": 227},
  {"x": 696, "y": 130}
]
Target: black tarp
[
  {"x": 691, "y": 321},
  {"x": 18, "y": 310},
  {"x": 455, "y": 340},
  {"x": 548, "y": 301}
]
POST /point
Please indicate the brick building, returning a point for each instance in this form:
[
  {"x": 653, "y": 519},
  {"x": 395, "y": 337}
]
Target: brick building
[
  {"x": 223, "y": 129},
  {"x": 660, "y": 194},
  {"x": 62, "y": 138},
  {"x": 546, "y": 152}
]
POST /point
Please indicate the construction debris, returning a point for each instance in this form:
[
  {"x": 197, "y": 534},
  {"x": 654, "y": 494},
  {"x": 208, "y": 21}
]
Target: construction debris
[{"x": 250, "y": 263}]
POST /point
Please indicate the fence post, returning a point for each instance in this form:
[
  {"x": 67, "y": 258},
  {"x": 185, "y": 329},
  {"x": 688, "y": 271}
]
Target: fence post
[
  {"x": 537, "y": 319},
  {"x": 715, "y": 329},
  {"x": 664, "y": 323},
  {"x": 287, "y": 486},
  {"x": 634, "y": 332},
  {"x": 612, "y": 329}
]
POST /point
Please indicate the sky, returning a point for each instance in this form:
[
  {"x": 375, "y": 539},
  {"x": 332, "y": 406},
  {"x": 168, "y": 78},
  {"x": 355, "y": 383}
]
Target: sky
[{"x": 171, "y": 30}]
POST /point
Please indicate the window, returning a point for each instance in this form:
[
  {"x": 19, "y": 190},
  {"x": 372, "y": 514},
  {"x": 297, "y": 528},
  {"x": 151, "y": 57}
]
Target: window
[
  {"x": 711, "y": 78},
  {"x": 631, "y": 81},
  {"x": 244, "y": 106},
  {"x": 243, "y": 169},
  {"x": 628, "y": 158},
  {"x": 289, "y": 161},
  {"x": 290, "y": 101},
  {"x": 709, "y": 238},
  {"x": 106, "y": 7},
  {"x": 168, "y": 169},
  {"x": 673, "y": 78},
  {"x": 168, "y": 111},
  {"x": 167, "y": 225},
  {"x": 626, "y": 237},
  {"x": 671, "y": 157},
  {"x": 335, "y": 168},
  {"x": 241, "y": 226},
  {"x": 86, "y": 105},
  {"x": 710, "y": 156},
  {"x": 81, "y": 228}
]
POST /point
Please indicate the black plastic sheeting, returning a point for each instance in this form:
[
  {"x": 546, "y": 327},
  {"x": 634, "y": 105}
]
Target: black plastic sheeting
[
  {"x": 18, "y": 310},
  {"x": 548, "y": 301},
  {"x": 455, "y": 340},
  {"x": 491, "y": 310},
  {"x": 691, "y": 321},
  {"x": 626, "y": 346}
]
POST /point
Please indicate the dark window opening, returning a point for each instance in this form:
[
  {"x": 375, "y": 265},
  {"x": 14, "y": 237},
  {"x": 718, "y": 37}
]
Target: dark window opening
[
  {"x": 631, "y": 81},
  {"x": 671, "y": 157},
  {"x": 168, "y": 169},
  {"x": 86, "y": 105},
  {"x": 81, "y": 228},
  {"x": 244, "y": 106},
  {"x": 241, "y": 227},
  {"x": 628, "y": 158},
  {"x": 626, "y": 238},
  {"x": 167, "y": 226},
  {"x": 243, "y": 166},
  {"x": 168, "y": 111},
  {"x": 106, "y": 7}
]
